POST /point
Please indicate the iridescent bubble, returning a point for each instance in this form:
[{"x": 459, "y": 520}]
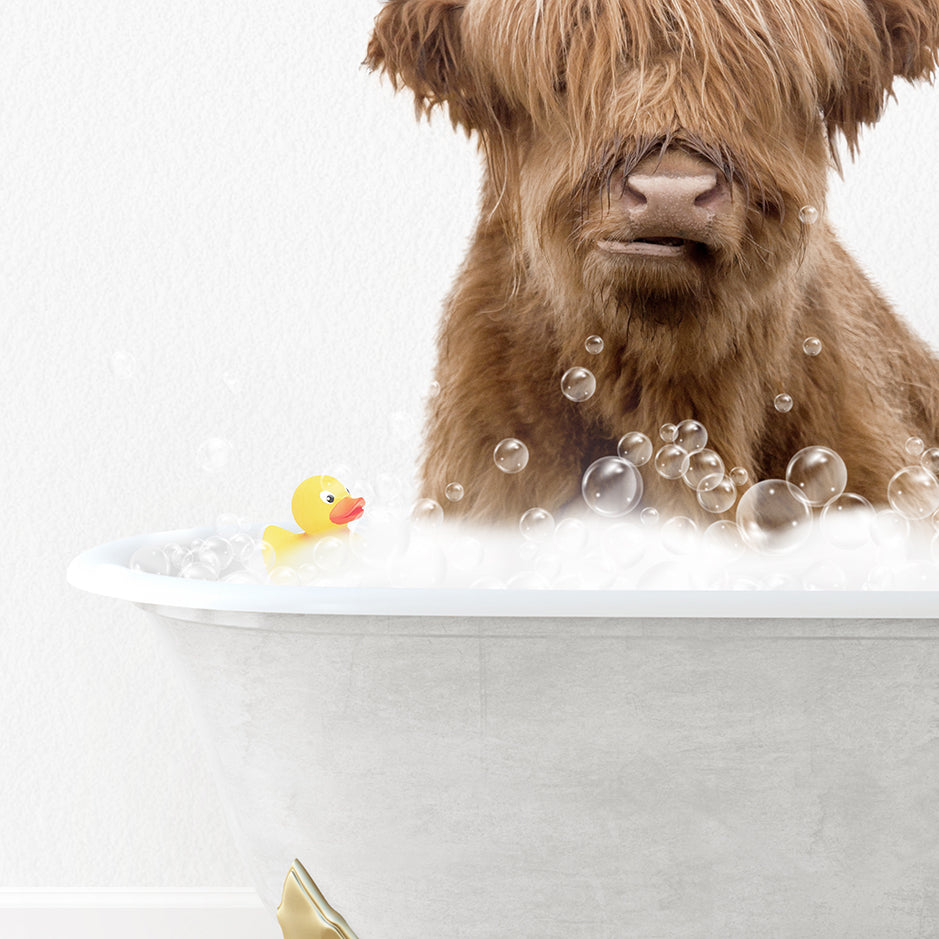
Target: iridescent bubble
[
  {"x": 594, "y": 345},
  {"x": 740, "y": 477},
  {"x": 578, "y": 384},
  {"x": 913, "y": 492},
  {"x": 635, "y": 447},
  {"x": 329, "y": 554},
  {"x": 702, "y": 468},
  {"x": 454, "y": 492},
  {"x": 930, "y": 459},
  {"x": 846, "y": 520},
  {"x": 783, "y": 403},
  {"x": 427, "y": 513},
  {"x": 611, "y": 486},
  {"x": 668, "y": 432},
  {"x": 649, "y": 516},
  {"x": 624, "y": 543},
  {"x": 717, "y": 497},
  {"x": 536, "y": 525},
  {"x": 914, "y": 446},
  {"x": 812, "y": 346},
  {"x": 214, "y": 454},
  {"x": 511, "y": 455},
  {"x": 890, "y": 530},
  {"x": 772, "y": 519},
  {"x": 817, "y": 475},
  {"x": 679, "y": 535},
  {"x": 691, "y": 436},
  {"x": 808, "y": 215},
  {"x": 150, "y": 560},
  {"x": 671, "y": 461}
]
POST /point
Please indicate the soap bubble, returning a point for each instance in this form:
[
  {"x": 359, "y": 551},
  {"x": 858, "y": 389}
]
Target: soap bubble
[
  {"x": 718, "y": 497},
  {"x": 808, "y": 215},
  {"x": 772, "y": 519},
  {"x": 624, "y": 543},
  {"x": 196, "y": 571},
  {"x": 122, "y": 364},
  {"x": 846, "y": 520},
  {"x": 724, "y": 537},
  {"x": 329, "y": 554},
  {"x": 671, "y": 461},
  {"x": 433, "y": 389},
  {"x": 914, "y": 446},
  {"x": 649, "y": 516},
  {"x": 930, "y": 459},
  {"x": 635, "y": 447},
  {"x": 812, "y": 346},
  {"x": 284, "y": 576},
  {"x": 783, "y": 403},
  {"x": 427, "y": 513},
  {"x": 578, "y": 384},
  {"x": 536, "y": 525},
  {"x": 817, "y": 475},
  {"x": 511, "y": 455},
  {"x": 890, "y": 530},
  {"x": 242, "y": 545},
  {"x": 739, "y": 476},
  {"x": 454, "y": 492},
  {"x": 214, "y": 455},
  {"x": 913, "y": 492},
  {"x": 150, "y": 560},
  {"x": 691, "y": 436},
  {"x": 177, "y": 555},
  {"x": 611, "y": 486},
  {"x": 668, "y": 433},
  {"x": 216, "y": 550},
  {"x": 594, "y": 345},
  {"x": 679, "y": 535},
  {"x": 571, "y": 535},
  {"x": 703, "y": 469}
]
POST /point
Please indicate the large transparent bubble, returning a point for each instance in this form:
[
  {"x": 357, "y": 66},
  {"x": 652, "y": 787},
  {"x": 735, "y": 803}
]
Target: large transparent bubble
[
  {"x": 772, "y": 519},
  {"x": 612, "y": 486},
  {"x": 817, "y": 475}
]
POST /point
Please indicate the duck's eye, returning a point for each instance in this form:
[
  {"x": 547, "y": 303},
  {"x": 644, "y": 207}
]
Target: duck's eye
[{"x": 328, "y": 497}]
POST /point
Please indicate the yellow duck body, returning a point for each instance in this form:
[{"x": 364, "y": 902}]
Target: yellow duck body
[{"x": 321, "y": 506}]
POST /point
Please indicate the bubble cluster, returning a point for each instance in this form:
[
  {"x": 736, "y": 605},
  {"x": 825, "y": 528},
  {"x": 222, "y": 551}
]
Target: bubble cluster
[
  {"x": 611, "y": 486},
  {"x": 511, "y": 455},
  {"x": 578, "y": 384}
]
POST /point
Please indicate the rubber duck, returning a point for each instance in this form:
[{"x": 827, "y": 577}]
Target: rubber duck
[{"x": 321, "y": 506}]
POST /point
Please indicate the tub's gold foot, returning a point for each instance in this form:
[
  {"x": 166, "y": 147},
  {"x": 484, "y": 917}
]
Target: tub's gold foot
[{"x": 304, "y": 913}]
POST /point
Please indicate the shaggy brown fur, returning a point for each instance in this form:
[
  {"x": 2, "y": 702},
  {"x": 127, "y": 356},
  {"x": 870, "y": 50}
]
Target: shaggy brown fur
[{"x": 570, "y": 99}]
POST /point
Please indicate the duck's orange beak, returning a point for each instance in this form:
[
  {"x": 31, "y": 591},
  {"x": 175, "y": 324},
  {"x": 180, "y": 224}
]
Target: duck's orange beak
[{"x": 346, "y": 510}]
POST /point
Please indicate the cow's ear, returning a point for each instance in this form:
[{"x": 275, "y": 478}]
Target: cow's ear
[
  {"x": 419, "y": 45},
  {"x": 895, "y": 39}
]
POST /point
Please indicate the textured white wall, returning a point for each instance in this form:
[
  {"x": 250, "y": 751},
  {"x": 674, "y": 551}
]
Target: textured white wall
[{"x": 213, "y": 222}]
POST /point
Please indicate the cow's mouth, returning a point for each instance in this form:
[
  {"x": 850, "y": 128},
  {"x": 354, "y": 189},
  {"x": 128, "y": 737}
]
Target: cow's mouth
[{"x": 657, "y": 247}]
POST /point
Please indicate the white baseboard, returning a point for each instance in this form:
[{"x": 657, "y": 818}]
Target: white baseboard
[{"x": 137, "y": 914}]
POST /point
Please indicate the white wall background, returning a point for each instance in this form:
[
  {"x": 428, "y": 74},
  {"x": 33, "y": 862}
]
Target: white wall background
[{"x": 214, "y": 223}]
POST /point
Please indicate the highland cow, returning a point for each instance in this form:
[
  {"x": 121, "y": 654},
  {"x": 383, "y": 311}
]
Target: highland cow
[{"x": 646, "y": 167}]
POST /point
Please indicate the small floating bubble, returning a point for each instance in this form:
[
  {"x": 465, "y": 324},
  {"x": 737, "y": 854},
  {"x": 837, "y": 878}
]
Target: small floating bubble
[
  {"x": 808, "y": 215},
  {"x": 717, "y": 497},
  {"x": 511, "y": 455},
  {"x": 671, "y": 461},
  {"x": 783, "y": 403},
  {"x": 914, "y": 446},
  {"x": 214, "y": 454},
  {"x": 691, "y": 436},
  {"x": 930, "y": 459},
  {"x": 536, "y": 525},
  {"x": 635, "y": 447},
  {"x": 594, "y": 345},
  {"x": 772, "y": 519},
  {"x": 702, "y": 468},
  {"x": 668, "y": 432},
  {"x": 454, "y": 492},
  {"x": 578, "y": 384},
  {"x": 679, "y": 535},
  {"x": 913, "y": 492},
  {"x": 817, "y": 475},
  {"x": 740, "y": 477},
  {"x": 649, "y": 517},
  {"x": 428, "y": 513},
  {"x": 812, "y": 346},
  {"x": 611, "y": 486}
]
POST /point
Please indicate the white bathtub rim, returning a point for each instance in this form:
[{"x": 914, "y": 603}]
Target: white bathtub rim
[{"x": 103, "y": 570}]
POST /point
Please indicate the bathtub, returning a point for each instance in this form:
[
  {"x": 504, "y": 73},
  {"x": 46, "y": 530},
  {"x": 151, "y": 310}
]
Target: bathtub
[{"x": 460, "y": 764}]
